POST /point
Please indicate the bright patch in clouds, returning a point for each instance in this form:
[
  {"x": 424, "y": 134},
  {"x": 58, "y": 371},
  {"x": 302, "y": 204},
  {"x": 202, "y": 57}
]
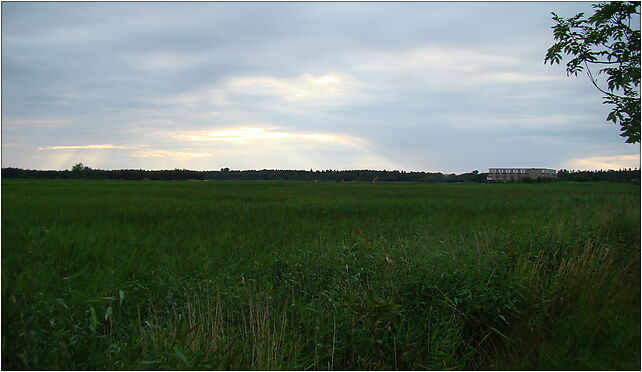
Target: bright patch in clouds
[
  {"x": 245, "y": 134},
  {"x": 87, "y": 147},
  {"x": 516, "y": 77},
  {"x": 168, "y": 154},
  {"x": 604, "y": 162},
  {"x": 258, "y": 147},
  {"x": 301, "y": 88},
  {"x": 144, "y": 152}
]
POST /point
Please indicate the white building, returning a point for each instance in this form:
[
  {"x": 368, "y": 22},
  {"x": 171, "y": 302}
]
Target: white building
[{"x": 514, "y": 174}]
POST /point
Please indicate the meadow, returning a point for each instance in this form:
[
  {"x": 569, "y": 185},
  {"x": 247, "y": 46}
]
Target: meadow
[{"x": 301, "y": 275}]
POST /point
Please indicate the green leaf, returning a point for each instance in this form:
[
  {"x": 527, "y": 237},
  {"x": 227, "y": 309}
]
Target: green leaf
[
  {"x": 62, "y": 303},
  {"x": 611, "y": 117},
  {"x": 181, "y": 356},
  {"x": 495, "y": 330},
  {"x": 107, "y": 313},
  {"x": 93, "y": 320}
]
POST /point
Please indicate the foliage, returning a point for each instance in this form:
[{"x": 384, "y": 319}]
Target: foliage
[
  {"x": 606, "y": 39},
  {"x": 81, "y": 171},
  {"x": 623, "y": 175},
  {"x": 80, "y": 167},
  {"x": 364, "y": 175},
  {"x": 116, "y": 275}
]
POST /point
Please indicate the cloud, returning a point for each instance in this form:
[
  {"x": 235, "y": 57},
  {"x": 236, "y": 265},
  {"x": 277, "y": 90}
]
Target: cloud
[
  {"x": 604, "y": 162},
  {"x": 17, "y": 123},
  {"x": 424, "y": 86},
  {"x": 168, "y": 154},
  {"x": 88, "y": 147},
  {"x": 167, "y": 61},
  {"x": 517, "y": 77},
  {"x": 269, "y": 154},
  {"x": 269, "y": 146},
  {"x": 304, "y": 88},
  {"x": 249, "y": 134}
]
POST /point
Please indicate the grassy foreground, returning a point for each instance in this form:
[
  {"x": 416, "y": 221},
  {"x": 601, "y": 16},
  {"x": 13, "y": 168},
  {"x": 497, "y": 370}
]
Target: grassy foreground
[{"x": 277, "y": 275}]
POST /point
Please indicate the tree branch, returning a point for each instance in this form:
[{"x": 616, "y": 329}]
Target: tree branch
[{"x": 590, "y": 75}]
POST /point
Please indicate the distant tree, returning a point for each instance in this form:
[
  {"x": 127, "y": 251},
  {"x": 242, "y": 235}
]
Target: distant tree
[
  {"x": 608, "y": 39},
  {"x": 79, "y": 167},
  {"x": 12, "y": 172},
  {"x": 80, "y": 170}
]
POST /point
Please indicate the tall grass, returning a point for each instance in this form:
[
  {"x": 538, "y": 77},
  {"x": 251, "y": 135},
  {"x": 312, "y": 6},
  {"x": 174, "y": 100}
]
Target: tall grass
[{"x": 275, "y": 275}]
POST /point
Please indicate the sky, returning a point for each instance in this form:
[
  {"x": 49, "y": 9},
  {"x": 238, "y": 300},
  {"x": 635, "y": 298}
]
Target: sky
[{"x": 431, "y": 86}]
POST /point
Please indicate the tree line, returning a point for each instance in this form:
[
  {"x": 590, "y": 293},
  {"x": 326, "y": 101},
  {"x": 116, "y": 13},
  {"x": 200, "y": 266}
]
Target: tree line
[
  {"x": 623, "y": 175},
  {"x": 80, "y": 171}
]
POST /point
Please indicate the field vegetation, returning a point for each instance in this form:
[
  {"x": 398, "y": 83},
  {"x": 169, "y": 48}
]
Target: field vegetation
[{"x": 101, "y": 274}]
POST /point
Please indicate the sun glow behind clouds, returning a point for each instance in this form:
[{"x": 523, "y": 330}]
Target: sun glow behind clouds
[
  {"x": 604, "y": 162},
  {"x": 270, "y": 147},
  {"x": 88, "y": 147},
  {"x": 61, "y": 157},
  {"x": 168, "y": 154},
  {"x": 95, "y": 155},
  {"x": 302, "y": 88},
  {"x": 246, "y": 134}
]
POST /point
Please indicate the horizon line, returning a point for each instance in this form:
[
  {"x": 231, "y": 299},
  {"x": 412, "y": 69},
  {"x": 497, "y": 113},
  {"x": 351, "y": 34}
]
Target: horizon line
[{"x": 321, "y": 170}]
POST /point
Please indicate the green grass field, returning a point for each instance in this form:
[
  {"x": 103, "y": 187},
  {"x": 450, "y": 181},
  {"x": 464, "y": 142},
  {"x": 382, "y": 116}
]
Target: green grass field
[{"x": 278, "y": 275}]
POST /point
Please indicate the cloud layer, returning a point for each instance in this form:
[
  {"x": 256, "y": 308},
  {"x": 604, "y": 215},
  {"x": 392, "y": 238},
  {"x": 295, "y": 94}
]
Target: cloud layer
[{"x": 446, "y": 87}]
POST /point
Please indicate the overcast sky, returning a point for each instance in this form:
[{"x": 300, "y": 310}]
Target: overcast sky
[{"x": 448, "y": 87}]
